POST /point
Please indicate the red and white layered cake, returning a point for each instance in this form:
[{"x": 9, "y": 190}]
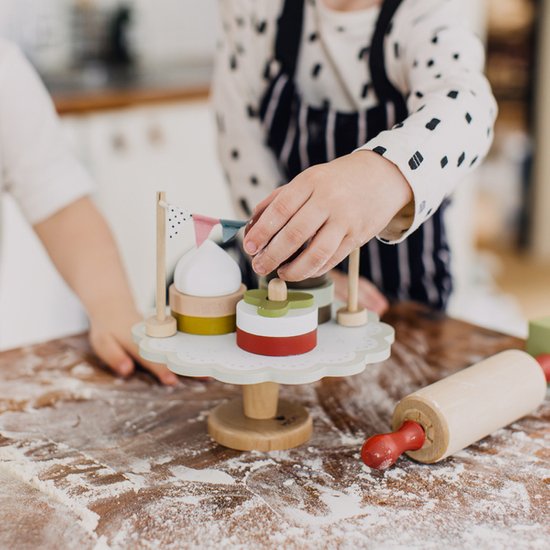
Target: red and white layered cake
[{"x": 276, "y": 323}]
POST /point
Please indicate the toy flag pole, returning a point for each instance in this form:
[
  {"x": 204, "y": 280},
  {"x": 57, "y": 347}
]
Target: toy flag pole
[
  {"x": 353, "y": 280},
  {"x": 352, "y": 315},
  {"x": 161, "y": 325},
  {"x": 161, "y": 257}
]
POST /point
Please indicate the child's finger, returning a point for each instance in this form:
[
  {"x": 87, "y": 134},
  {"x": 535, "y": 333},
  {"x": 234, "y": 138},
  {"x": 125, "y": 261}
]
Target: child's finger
[
  {"x": 164, "y": 375},
  {"x": 301, "y": 227},
  {"x": 262, "y": 205},
  {"x": 259, "y": 209},
  {"x": 287, "y": 202},
  {"x": 112, "y": 353},
  {"x": 347, "y": 245},
  {"x": 319, "y": 251},
  {"x": 371, "y": 298}
]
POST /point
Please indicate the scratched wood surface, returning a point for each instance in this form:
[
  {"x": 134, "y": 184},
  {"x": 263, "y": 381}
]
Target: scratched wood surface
[{"x": 91, "y": 461}]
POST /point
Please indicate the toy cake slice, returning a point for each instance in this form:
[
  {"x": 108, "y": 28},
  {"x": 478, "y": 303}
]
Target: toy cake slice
[
  {"x": 203, "y": 315},
  {"x": 322, "y": 289},
  {"x": 207, "y": 287},
  {"x": 277, "y": 323}
]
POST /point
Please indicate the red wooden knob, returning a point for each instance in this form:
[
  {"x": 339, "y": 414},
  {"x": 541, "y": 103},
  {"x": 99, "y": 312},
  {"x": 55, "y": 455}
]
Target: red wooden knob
[
  {"x": 544, "y": 362},
  {"x": 382, "y": 451}
]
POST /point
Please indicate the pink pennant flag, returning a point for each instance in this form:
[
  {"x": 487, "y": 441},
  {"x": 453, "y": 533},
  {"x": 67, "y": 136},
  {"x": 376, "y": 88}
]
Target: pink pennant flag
[{"x": 203, "y": 227}]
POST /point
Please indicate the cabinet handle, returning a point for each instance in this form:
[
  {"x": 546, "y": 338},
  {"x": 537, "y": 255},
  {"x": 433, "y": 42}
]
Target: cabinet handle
[
  {"x": 155, "y": 135},
  {"x": 119, "y": 142}
]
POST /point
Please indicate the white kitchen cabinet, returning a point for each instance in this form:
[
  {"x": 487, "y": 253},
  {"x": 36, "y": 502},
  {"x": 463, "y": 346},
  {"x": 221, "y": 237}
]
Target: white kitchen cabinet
[{"x": 135, "y": 152}]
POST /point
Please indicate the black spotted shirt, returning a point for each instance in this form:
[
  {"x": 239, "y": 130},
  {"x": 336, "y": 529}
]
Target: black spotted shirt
[{"x": 431, "y": 57}]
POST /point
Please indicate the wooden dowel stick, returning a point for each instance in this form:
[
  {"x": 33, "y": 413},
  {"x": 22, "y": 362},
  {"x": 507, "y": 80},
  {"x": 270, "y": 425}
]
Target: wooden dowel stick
[
  {"x": 260, "y": 401},
  {"x": 161, "y": 257},
  {"x": 161, "y": 325},
  {"x": 352, "y": 315},
  {"x": 353, "y": 281}
]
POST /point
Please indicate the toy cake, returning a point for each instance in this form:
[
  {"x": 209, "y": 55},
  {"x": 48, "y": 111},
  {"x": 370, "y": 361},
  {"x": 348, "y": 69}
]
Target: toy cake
[
  {"x": 207, "y": 287},
  {"x": 322, "y": 289},
  {"x": 275, "y": 322}
]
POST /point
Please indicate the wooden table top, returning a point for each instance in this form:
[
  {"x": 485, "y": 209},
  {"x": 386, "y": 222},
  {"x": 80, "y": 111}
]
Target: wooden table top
[{"x": 89, "y": 460}]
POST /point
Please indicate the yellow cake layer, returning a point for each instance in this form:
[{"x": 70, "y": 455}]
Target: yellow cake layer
[{"x": 207, "y": 326}]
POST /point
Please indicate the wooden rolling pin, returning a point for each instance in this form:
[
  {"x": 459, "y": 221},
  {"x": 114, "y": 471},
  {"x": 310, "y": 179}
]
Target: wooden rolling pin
[{"x": 444, "y": 418}]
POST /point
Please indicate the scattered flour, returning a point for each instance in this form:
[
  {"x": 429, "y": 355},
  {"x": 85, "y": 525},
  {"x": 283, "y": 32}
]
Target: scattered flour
[
  {"x": 195, "y": 500},
  {"x": 82, "y": 370},
  {"x": 124, "y": 465},
  {"x": 139, "y": 482},
  {"x": 164, "y": 460},
  {"x": 208, "y": 475},
  {"x": 350, "y": 440},
  {"x": 140, "y": 466},
  {"x": 28, "y": 472}
]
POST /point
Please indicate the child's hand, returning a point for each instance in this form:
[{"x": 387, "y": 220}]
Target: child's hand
[
  {"x": 81, "y": 245},
  {"x": 369, "y": 296},
  {"x": 112, "y": 342},
  {"x": 340, "y": 205}
]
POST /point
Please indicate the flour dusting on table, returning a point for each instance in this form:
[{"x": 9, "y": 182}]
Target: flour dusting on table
[{"x": 92, "y": 462}]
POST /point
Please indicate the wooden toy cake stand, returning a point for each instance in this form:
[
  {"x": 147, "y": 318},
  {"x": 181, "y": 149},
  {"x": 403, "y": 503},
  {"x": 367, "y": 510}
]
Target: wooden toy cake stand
[{"x": 259, "y": 420}]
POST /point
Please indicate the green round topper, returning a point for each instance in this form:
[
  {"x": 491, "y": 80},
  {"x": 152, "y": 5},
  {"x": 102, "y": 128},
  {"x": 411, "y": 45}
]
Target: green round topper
[{"x": 277, "y": 308}]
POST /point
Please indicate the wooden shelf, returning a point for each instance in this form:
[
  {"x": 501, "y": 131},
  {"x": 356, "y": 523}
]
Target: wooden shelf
[{"x": 85, "y": 102}]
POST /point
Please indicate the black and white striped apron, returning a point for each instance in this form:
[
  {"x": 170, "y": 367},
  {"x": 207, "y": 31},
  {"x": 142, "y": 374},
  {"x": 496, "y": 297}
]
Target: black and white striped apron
[{"x": 301, "y": 135}]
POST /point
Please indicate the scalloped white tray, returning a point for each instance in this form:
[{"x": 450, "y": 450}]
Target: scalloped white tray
[{"x": 340, "y": 351}]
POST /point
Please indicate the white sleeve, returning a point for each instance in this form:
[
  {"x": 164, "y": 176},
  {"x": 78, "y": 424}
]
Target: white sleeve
[
  {"x": 437, "y": 63},
  {"x": 250, "y": 167},
  {"x": 37, "y": 168}
]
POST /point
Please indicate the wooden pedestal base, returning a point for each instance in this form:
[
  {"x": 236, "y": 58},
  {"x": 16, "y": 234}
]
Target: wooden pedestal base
[{"x": 268, "y": 425}]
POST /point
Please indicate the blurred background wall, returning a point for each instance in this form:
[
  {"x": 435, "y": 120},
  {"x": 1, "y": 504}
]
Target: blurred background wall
[{"x": 138, "y": 117}]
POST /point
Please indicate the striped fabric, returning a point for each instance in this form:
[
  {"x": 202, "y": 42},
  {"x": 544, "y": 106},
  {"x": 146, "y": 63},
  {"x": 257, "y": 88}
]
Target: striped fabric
[{"x": 301, "y": 136}]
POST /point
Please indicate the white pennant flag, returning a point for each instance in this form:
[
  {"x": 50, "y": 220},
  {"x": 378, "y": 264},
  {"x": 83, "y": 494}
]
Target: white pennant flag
[{"x": 176, "y": 218}]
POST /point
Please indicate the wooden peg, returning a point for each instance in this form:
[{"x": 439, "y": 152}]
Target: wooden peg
[
  {"x": 277, "y": 291},
  {"x": 161, "y": 325},
  {"x": 352, "y": 315}
]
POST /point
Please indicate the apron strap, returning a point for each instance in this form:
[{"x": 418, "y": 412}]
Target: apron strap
[
  {"x": 384, "y": 89},
  {"x": 289, "y": 35}
]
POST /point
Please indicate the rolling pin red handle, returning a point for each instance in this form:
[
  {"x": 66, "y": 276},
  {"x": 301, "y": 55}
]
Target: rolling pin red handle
[
  {"x": 544, "y": 362},
  {"x": 382, "y": 451}
]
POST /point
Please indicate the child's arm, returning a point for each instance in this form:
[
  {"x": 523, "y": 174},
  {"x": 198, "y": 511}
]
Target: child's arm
[
  {"x": 437, "y": 63},
  {"x": 84, "y": 252},
  {"x": 51, "y": 188},
  {"x": 250, "y": 168}
]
